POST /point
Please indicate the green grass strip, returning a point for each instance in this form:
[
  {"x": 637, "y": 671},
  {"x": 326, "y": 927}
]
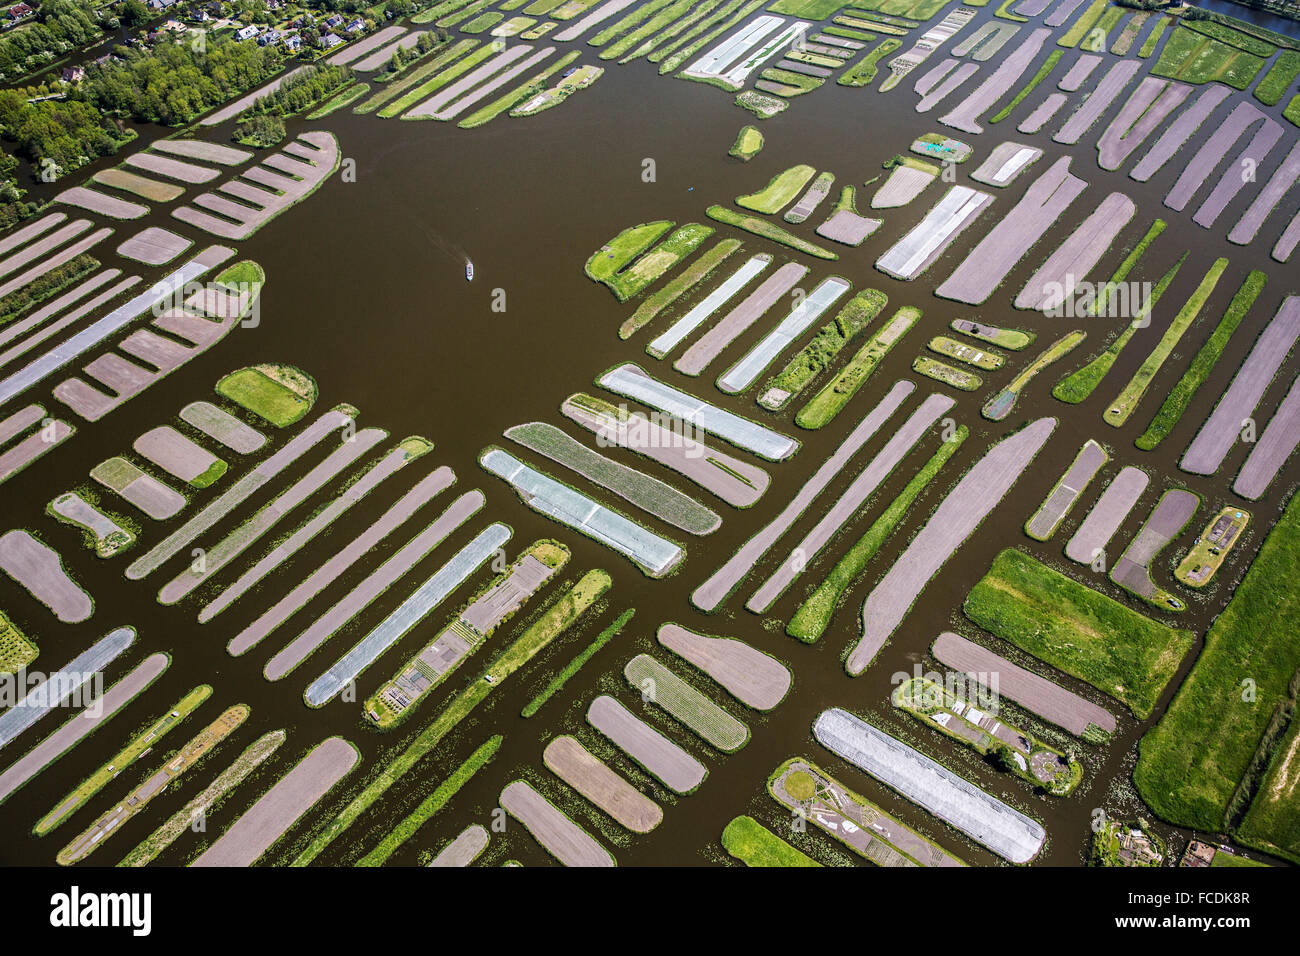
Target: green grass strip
[
  {"x": 659, "y": 685},
  {"x": 465, "y": 13},
  {"x": 726, "y": 10},
  {"x": 1081, "y": 26},
  {"x": 553, "y": 622},
  {"x": 1095, "y": 41},
  {"x": 685, "y": 280},
  {"x": 807, "y": 9},
  {"x": 864, "y": 71},
  {"x": 143, "y": 741},
  {"x": 768, "y": 230},
  {"x": 656, "y": 23},
  {"x": 817, "y": 355},
  {"x": 651, "y": 495},
  {"x": 683, "y": 54},
  {"x": 416, "y": 75},
  {"x": 428, "y": 88},
  {"x": 525, "y": 90},
  {"x": 349, "y": 95},
  {"x": 653, "y": 264},
  {"x": 1153, "y": 232},
  {"x": 587, "y": 653},
  {"x": 433, "y": 802},
  {"x": 698, "y": 13},
  {"x": 620, "y": 27},
  {"x": 1129, "y": 397},
  {"x": 1048, "y": 65},
  {"x": 1149, "y": 44},
  {"x": 1077, "y": 386},
  {"x": 780, "y": 191},
  {"x": 830, "y": 401},
  {"x": 755, "y": 845},
  {"x": 603, "y": 264},
  {"x": 1280, "y": 78},
  {"x": 1182, "y": 393},
  {"x": 848, "y": 33},
  {"x": 439, "y": 10},
  {"x": 1230, "y": 37},
  {"x": 1005, "y": 13},
  {"x": 814, "y": 615},
  {"x": 796, "y": 83},
  {"x": 483, "y": 22}
]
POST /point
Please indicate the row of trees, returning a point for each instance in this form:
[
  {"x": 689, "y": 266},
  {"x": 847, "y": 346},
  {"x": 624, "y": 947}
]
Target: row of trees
[
  {"x": 299, "y": 92},
  {"x": 61, "y": 26},
  {"x": 402, "y": 55}
]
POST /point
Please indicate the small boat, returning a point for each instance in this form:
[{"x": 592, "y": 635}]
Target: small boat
[{"x": 469, "y": 271}]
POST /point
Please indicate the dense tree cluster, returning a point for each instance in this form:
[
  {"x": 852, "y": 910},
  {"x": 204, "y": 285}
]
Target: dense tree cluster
[
  {"x": 12, "y": 208},
  {"x": 261, "y": 130},
  {"x": 173, "y": 83},
  {"x": 61, "y": 26},
  {"x": 67, "y": 134},
  {"x": 300, "y": 91}
]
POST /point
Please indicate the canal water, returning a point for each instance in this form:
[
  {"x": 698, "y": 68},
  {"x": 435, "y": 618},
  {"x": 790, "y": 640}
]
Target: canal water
[{"x": 366, "y": 291}]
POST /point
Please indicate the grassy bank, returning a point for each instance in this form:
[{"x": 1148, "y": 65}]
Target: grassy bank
[
  {"x": 755, "y": 845},
  {"x": 142, "y": 742},
  {"x": 830, "y": 401},
  {"x": 433, "y": 803},
  {"x": 768, "y": 230},
  {"x": 817, "y": 355},
  {"x": 1048, "y": 65},
  {"x": 814, "y": 615},
  {"x": 1127, "y": 400},
  {"x": 1181, "y": 395},
  {"x": 780, "y": 191},
  {"x": 569, "y": 670},
  {"x": 685, "y": 280},
  {"x": 553, "y": 622},
  {"x": 1077, "y": 630},
  {"x": 1210, "y": 739},
  {"x": 1078, "y": 385}
]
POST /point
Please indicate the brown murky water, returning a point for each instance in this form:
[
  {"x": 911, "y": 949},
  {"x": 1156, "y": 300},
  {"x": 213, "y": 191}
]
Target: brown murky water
[{"x": 366, "y": 292}]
